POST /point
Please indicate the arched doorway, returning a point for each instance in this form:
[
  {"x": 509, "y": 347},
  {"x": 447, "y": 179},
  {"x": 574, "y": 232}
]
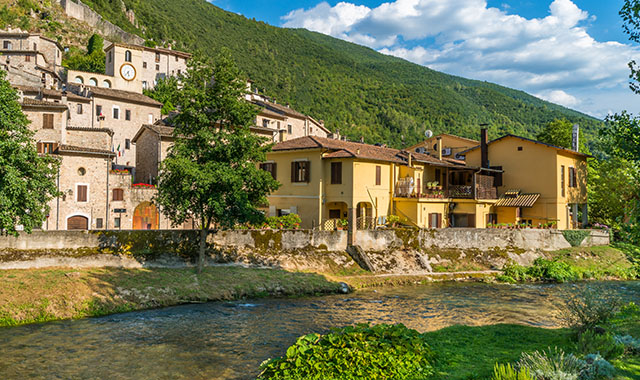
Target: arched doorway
[
  {"x": 146, "y": 217},
  {"x": 78, "y": 222}
]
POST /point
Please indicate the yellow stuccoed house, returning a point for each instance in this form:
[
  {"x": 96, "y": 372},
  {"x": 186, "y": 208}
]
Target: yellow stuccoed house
[
  {"x": 541, "y": 184},
  {"x": 324, "y": 180}
]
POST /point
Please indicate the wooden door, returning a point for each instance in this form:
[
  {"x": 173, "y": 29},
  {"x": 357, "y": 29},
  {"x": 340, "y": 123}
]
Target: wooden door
[
  {"x": 146, "y": 217},
  {"x": 78, "y": 223}
]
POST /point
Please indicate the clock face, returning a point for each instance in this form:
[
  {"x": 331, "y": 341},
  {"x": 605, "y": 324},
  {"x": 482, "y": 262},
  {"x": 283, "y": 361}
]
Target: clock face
[{"x": 127, "y": 71}]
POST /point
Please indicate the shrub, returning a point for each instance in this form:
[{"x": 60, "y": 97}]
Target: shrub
[
  {"x": 355, "y": 352},
  {"x": 552, "y": 365},
  {"x": 286, "y": 222},
  {"x": 393, "y": 220},
  {"x": 597, "y": 368},
  {"x": 629, "y": 343},
  {"x": 604, "y": 344},
  {"x": 506, "y": 372},
  {"x": 589, "y": 308},
  {"x": 542, "y": 269},
  {"x": 575, "y": 237}
]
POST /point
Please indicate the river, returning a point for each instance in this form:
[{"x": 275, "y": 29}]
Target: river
[{"x": 228, "y": 340}]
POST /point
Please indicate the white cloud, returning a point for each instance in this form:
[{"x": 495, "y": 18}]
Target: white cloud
[{"x": 552, "y": 55}]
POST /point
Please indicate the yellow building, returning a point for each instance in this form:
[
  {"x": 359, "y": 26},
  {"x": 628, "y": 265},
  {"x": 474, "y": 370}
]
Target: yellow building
[
  {"x": 451, "y": 145},
  {"x": 541, "y": 184},
  {"x": 323, "y": 179}
]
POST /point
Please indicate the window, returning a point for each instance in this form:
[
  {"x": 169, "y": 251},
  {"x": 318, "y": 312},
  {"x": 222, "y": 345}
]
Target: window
[
  {"x": 47, "y": 148},
  {"x": 35, "y": 46},
  {"x": 157, "y": 57},
  {"x": 127, "y": 114},
  {"x": 93, "y": 82},
  {"x": 145, "y": 85},
  {"x": 179, "y": 71},
  {"x": 562, "y": 180},
  {"x": 79, "y": 109},
  {"x": 334, "y": 214},
  {"x": 492, "y": 219},
  {"x": 519, "y": 149},
  {"x": 177, "y": 58},
  {"x": 127, "y": 56},
  {"x": 6, "y": 45},
  {"x": 378, "y": 175},
  {"x": 79, "y": 80},
  {"x": 310, "y": 130},
  {"x": 300, "y": 171},
  {"x": 269, "y": 167},
  {"x": 572, "y": 177},
  {"x": 99, "y": 223},
  {"x": 110, "y": 55},
  {"x": 278, "y": 124},
  {"x": 116, "y": 222},
  {"x": 106, "y": 84},
  {"x": 98, "y": 110},
  {"x": 81, "y": 193},
  {"x": 127, "y": 144},
  {"x": 144, "y": 65},
  {"x": 435, "y": 220},
  {"x": 47, "y": 121},
  {"x": 116, "y": 112},
  {"x": 118, "y": 194},
  {"x": 150, "y": 118},
  {"x": 289, "y": 129},
  {"x": 82, "y": 171},
  {"x": 265, "y": 123},
  {"x": 336, "y": 173},
  {"x": 157, "y": 67},
  {"x": 27, "y": 58}
]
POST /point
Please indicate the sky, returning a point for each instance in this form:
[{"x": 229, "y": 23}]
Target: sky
[{"x": 570, "y": 52}]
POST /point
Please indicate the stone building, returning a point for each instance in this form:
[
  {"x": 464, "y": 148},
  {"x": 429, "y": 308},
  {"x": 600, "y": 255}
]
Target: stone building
[
  {"x": 133, "y": 68},
  {"x": 31, "y": 59}
]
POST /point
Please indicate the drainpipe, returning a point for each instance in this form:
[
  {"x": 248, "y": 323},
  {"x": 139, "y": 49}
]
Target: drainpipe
[
  {"x": 58, "y": 201},
  {"x": 106, "y": 219},
  {"x": 439, "y": 143}
]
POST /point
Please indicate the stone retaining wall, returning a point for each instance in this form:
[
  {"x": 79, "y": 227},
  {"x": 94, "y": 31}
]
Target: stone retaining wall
[{"x": 389, "y": 250}]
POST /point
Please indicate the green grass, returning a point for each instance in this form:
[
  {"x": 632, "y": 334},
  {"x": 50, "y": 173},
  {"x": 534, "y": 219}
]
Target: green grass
[{"x": 41, "y": 295}]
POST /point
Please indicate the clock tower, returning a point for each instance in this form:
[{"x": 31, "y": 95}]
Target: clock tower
[{"x": 124, "y": 63}]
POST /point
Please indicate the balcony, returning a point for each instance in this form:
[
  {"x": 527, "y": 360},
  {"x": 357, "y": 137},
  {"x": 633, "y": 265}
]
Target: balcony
[{"x": 406, "y": 189}]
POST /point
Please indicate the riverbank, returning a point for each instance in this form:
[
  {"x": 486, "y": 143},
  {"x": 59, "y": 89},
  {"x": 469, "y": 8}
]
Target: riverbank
[{"x": 41, "y": 295}]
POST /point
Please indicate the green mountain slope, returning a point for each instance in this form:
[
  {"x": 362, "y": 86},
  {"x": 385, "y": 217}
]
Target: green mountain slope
[{"x": 351, "y": 87}]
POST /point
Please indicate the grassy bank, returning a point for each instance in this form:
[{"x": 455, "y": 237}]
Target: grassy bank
[{"x": 39, "y": 295}]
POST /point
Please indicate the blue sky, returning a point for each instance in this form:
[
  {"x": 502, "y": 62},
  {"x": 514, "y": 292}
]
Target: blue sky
[{"x": 571, "y": 52}]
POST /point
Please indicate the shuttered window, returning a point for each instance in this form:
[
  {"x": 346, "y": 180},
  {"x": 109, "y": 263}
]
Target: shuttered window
[
  {"x": 572, "y": 177},
  {"x": 435, "y": 220},
  {"x": 300, "y": 171},
  {"x": 378, "y": 175},
  {"x": 118, "y": 194},
  {"x": 82, "y": 193},
  {"x": 48, "y": 148},
  {"x": 47, "y": 121},
  {"x": 562, "y": 180},
  {"x": 336, "y": 173},
  {"x": 270, "y": 167}
]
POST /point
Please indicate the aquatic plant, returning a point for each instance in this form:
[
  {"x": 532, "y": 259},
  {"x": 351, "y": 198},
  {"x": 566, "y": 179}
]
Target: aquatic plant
[{"x": 355, "y": 352}]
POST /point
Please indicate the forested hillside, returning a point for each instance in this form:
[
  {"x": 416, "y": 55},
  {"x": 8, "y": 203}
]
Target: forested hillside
[{"x": 353, "y": 88}]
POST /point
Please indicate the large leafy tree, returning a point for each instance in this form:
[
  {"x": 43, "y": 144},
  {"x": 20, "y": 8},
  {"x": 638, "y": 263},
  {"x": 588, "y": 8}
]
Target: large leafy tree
[
  {"x": 27, "y": 180},
  {"x": 211, "y": 173},
  {"x": 94, "y": 59},
  {"x": 166, "y": 91},
  {"x": 559, "y": 132}
]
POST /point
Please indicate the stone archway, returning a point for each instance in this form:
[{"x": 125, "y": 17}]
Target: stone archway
[{"x": 146, "y": 217}]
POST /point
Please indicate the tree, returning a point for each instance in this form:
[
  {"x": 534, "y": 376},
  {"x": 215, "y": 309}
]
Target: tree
[
  {"x": 27, "y": 180},
  {"x": 630, "y": 14},
  {"x": 211, "y": 173},
  {"x": 166, "y": 92},
  {"x": 93, "y": 61},
  {"x": 559, "y": 132}
]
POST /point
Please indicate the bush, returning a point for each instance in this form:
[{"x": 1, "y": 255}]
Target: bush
[
  {"x": 393, "y": 220},
  {"x": 597, "y": 368},
  {"x": 552, "y": 365},
  {"x": 506, "y": 372},
  {"x": 629, "y": 343},
  {"x": 575, "y": 237},
  {"x": 355, "y": 352},
  {"x": 541, "y": 270},
  {"x": 284, "y": 222},
  {"x": 589, "y": 308},
  {"x": 603, "y": 344}
]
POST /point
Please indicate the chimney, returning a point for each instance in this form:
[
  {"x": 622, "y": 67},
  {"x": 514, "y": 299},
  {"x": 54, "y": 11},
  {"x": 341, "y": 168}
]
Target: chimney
[
  {"x": 439, "y": 146},
  {"x": 63, "y": 97},
  {"x": 484, "y": 149}
]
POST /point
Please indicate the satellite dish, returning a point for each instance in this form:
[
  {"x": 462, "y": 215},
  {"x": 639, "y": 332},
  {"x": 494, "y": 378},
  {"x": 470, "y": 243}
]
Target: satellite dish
[{"x": 428, "y": 133}]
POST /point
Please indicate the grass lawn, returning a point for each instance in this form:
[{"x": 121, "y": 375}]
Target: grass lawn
[{"x": 40, "y": 295}]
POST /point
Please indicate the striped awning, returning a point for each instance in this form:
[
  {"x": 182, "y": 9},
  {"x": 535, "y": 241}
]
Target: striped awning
[
  {"x": 520, "y": 200},
  {"x": 512, "y": 193}
]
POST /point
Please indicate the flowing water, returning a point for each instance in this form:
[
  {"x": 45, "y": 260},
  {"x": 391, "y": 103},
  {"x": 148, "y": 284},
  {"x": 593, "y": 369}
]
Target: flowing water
[{"x": 229, "y": 340}]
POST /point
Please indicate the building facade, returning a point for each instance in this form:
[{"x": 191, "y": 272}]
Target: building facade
[{"x": 31, "y": 59}]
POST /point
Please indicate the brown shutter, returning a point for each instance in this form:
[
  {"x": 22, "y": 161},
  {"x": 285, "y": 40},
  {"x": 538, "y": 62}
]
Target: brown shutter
[
  {"x": 439, "y": 221},
  {"x": 47, "y": 121},
  {"x": 293, "y": 171},
  {"x": 40, "y": 147},
  {"x": 430, "y": 219},
  {"x": 118, "y": 194},
  {"x": 378, "y": 175},
  {"x": 54, "y": 147},
  {"x": 82, "y": 193},
  {"x": 471, "y": 220},
  {"x": 274, "y": 170},
  {"x": 336, "y": 173},
  {"x": 307, "y": 171}
]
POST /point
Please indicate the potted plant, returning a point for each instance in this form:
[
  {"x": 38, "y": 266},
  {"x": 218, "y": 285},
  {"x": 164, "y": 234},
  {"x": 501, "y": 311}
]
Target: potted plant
[{"x": 341, "y": 224}]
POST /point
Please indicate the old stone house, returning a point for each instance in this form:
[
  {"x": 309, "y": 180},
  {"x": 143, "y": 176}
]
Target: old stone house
[{"x": 31, "y": 59}]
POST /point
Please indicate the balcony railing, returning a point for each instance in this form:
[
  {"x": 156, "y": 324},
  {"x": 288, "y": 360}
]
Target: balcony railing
[{"x": 454, "y": 191}]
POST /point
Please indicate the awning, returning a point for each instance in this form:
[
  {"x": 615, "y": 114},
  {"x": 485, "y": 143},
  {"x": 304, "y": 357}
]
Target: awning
[{"x": 510, "y": 199}]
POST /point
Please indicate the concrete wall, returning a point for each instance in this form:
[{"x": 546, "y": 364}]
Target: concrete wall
[{"x": 80, "y": 11}]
